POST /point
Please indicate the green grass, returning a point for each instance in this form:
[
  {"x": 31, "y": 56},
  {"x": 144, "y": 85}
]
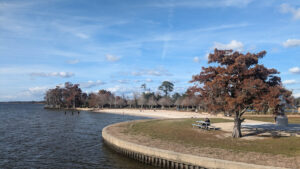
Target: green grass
[
  {"x": 181, "y": 131},
  {"x": 292, "y": 120}
]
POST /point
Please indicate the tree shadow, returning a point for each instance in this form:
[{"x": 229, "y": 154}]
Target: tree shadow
[{"x": 271, "y": 130}]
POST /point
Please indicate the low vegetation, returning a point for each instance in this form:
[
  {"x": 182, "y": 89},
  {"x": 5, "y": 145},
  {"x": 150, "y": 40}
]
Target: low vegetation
[{"x": 181, "y": 131}]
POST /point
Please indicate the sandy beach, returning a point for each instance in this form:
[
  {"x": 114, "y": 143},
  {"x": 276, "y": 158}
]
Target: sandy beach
[{"x": 158, "y": 113}]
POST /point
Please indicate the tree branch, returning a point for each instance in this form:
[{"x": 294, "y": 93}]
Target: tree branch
[{"x": 243, "y": 111}]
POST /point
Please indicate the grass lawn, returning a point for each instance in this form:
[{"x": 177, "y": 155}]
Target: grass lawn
[
  {"x": 292, "y": 120},
  {"x": 181, "y": 131}
]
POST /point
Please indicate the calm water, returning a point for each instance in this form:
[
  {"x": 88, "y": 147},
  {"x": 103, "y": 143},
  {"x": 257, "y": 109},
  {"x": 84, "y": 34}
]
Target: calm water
[{"x": 32, "y": 137}]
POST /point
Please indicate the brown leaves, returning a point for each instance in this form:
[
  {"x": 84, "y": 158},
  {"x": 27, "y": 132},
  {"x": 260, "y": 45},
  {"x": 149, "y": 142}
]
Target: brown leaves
[{"x": 238, "y": 82}]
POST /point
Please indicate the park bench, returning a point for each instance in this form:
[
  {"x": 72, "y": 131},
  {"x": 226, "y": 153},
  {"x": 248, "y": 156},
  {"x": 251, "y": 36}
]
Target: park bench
[{"x": 204, "y": 125}]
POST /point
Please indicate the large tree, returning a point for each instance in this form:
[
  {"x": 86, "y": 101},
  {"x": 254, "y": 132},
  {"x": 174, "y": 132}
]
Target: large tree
[
  {"x": 53, "y": 97},
  {"x": 166, "y": 87},
  {"x": 238, "y": 82},
  {"x": 72, "y": 94}
]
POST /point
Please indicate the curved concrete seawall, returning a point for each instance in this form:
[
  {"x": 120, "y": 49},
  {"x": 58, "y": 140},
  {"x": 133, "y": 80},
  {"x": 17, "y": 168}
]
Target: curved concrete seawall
[{"x": 169, "y": 159}]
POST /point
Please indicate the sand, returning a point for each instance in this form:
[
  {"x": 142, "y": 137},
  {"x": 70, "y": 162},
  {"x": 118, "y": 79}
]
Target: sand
[{"x": 158, "y": 113}]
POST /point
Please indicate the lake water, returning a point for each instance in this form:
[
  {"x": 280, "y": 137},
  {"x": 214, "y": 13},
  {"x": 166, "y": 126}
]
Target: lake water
[{"x": 33, "y": 137}]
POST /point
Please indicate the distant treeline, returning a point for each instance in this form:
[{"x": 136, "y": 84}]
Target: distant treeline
[
  {"x": 24, "y": 102},
  {"x": 71, "y": 96},
  {"x": 297, "y": 101}
]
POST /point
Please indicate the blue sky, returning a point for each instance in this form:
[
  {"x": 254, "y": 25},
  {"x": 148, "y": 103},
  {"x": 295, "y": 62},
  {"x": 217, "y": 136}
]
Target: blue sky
[{"x": 118, "y": 45}]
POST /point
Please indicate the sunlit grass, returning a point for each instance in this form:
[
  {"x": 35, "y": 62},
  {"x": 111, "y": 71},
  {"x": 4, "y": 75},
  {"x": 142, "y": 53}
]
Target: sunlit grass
[{"x": 181, "y": 131}]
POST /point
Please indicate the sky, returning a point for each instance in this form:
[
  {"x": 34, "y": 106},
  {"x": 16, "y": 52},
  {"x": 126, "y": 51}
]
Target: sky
[{"x": 118, "y": 45}]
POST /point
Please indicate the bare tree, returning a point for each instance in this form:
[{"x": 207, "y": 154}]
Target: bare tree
[
  {"x": 178, "y": 102},
  {"x": 165, "y": 101},
  {"x": 92, "y": 100},
  {"x": 142, "y": 101},
  {"x": 152, "y": 101}
]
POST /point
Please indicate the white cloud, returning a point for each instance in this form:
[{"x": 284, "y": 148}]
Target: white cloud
[
  {"x": 203, "y": 3},
  {"x": 91, "y": 84},
  {"x": 114, "y": 89},
  {"x": 33, "y": 93},
  {"x": 82, "y": 35},
  {"x": 53, "y": 74},
  {"x": 206, "y": 56},
  {"x": 112, "y": 58},
  {"x": 288, "y": 82},
  {"x": 296, "y": 95},
  {"x": 149, "y": 80},
  {"x": 152, "y": 72},
  {"x": 295, "y": 70},
  {"x": 36, "y": 92},
  {"x": 123, "y": 81},
  {"x": 66, "y": 53},
  {"x": 234, "y": 45},
  {"x": 291, "y": 43},
  {"x": 75, "y": 30},
  {"x": 286, "y": 8},
  {"x": 155, "y": 72},
  {"x": 75, "y": 61},
  {"x": 196, "y": 59},
  {"x": 119, "y": 90}
]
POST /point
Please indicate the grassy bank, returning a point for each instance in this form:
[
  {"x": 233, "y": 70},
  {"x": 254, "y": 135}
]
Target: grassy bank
[{"x": 181, "y": 131}]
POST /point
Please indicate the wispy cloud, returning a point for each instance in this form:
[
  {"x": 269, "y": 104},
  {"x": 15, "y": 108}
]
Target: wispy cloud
[
  {"x": 75, "y": 30},
  {"x": 112, "y": 58},
  {"x": 120, "y": 90},
  {"x": 152, "y": 72},
  {"x": 53, "y": 74},
  {"x": 38, "y": 89},
  {"x": 75, "y": 61},
  {"x": 291, "y": 43},
  {"x": 91, "y": 84},
  {"x": 196, "y": 59},
  {"x": 203, "y": 3},
  {"x": 123, "y": 81},
  {"x": 36, "y": 93},
  {"x": 234, "y": 45},
  {"x": 289, "y": 82},
  {"x": 170, "y": 26},
  {"x": 286, "y": 8},
  {"x": 295, "y": 70},
  {"x": 296, "y": 95},
  {"x": 149, "y": 80}
]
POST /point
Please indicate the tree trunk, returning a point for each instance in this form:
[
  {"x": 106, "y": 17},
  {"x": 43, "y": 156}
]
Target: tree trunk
[{"x": 236, "y": 132}]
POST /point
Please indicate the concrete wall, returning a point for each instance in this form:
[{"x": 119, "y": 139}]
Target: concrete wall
[{"x": 169, "y": 159}]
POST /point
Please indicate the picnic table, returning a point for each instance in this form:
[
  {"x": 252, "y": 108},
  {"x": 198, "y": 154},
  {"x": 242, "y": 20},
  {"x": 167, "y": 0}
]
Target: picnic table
[{"x": 203, "y": 125}]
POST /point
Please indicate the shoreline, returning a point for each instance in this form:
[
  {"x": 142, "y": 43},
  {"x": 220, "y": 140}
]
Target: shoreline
[
  {"x": 164, "y": 155},
  {"x": 162, "y": 113}
]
